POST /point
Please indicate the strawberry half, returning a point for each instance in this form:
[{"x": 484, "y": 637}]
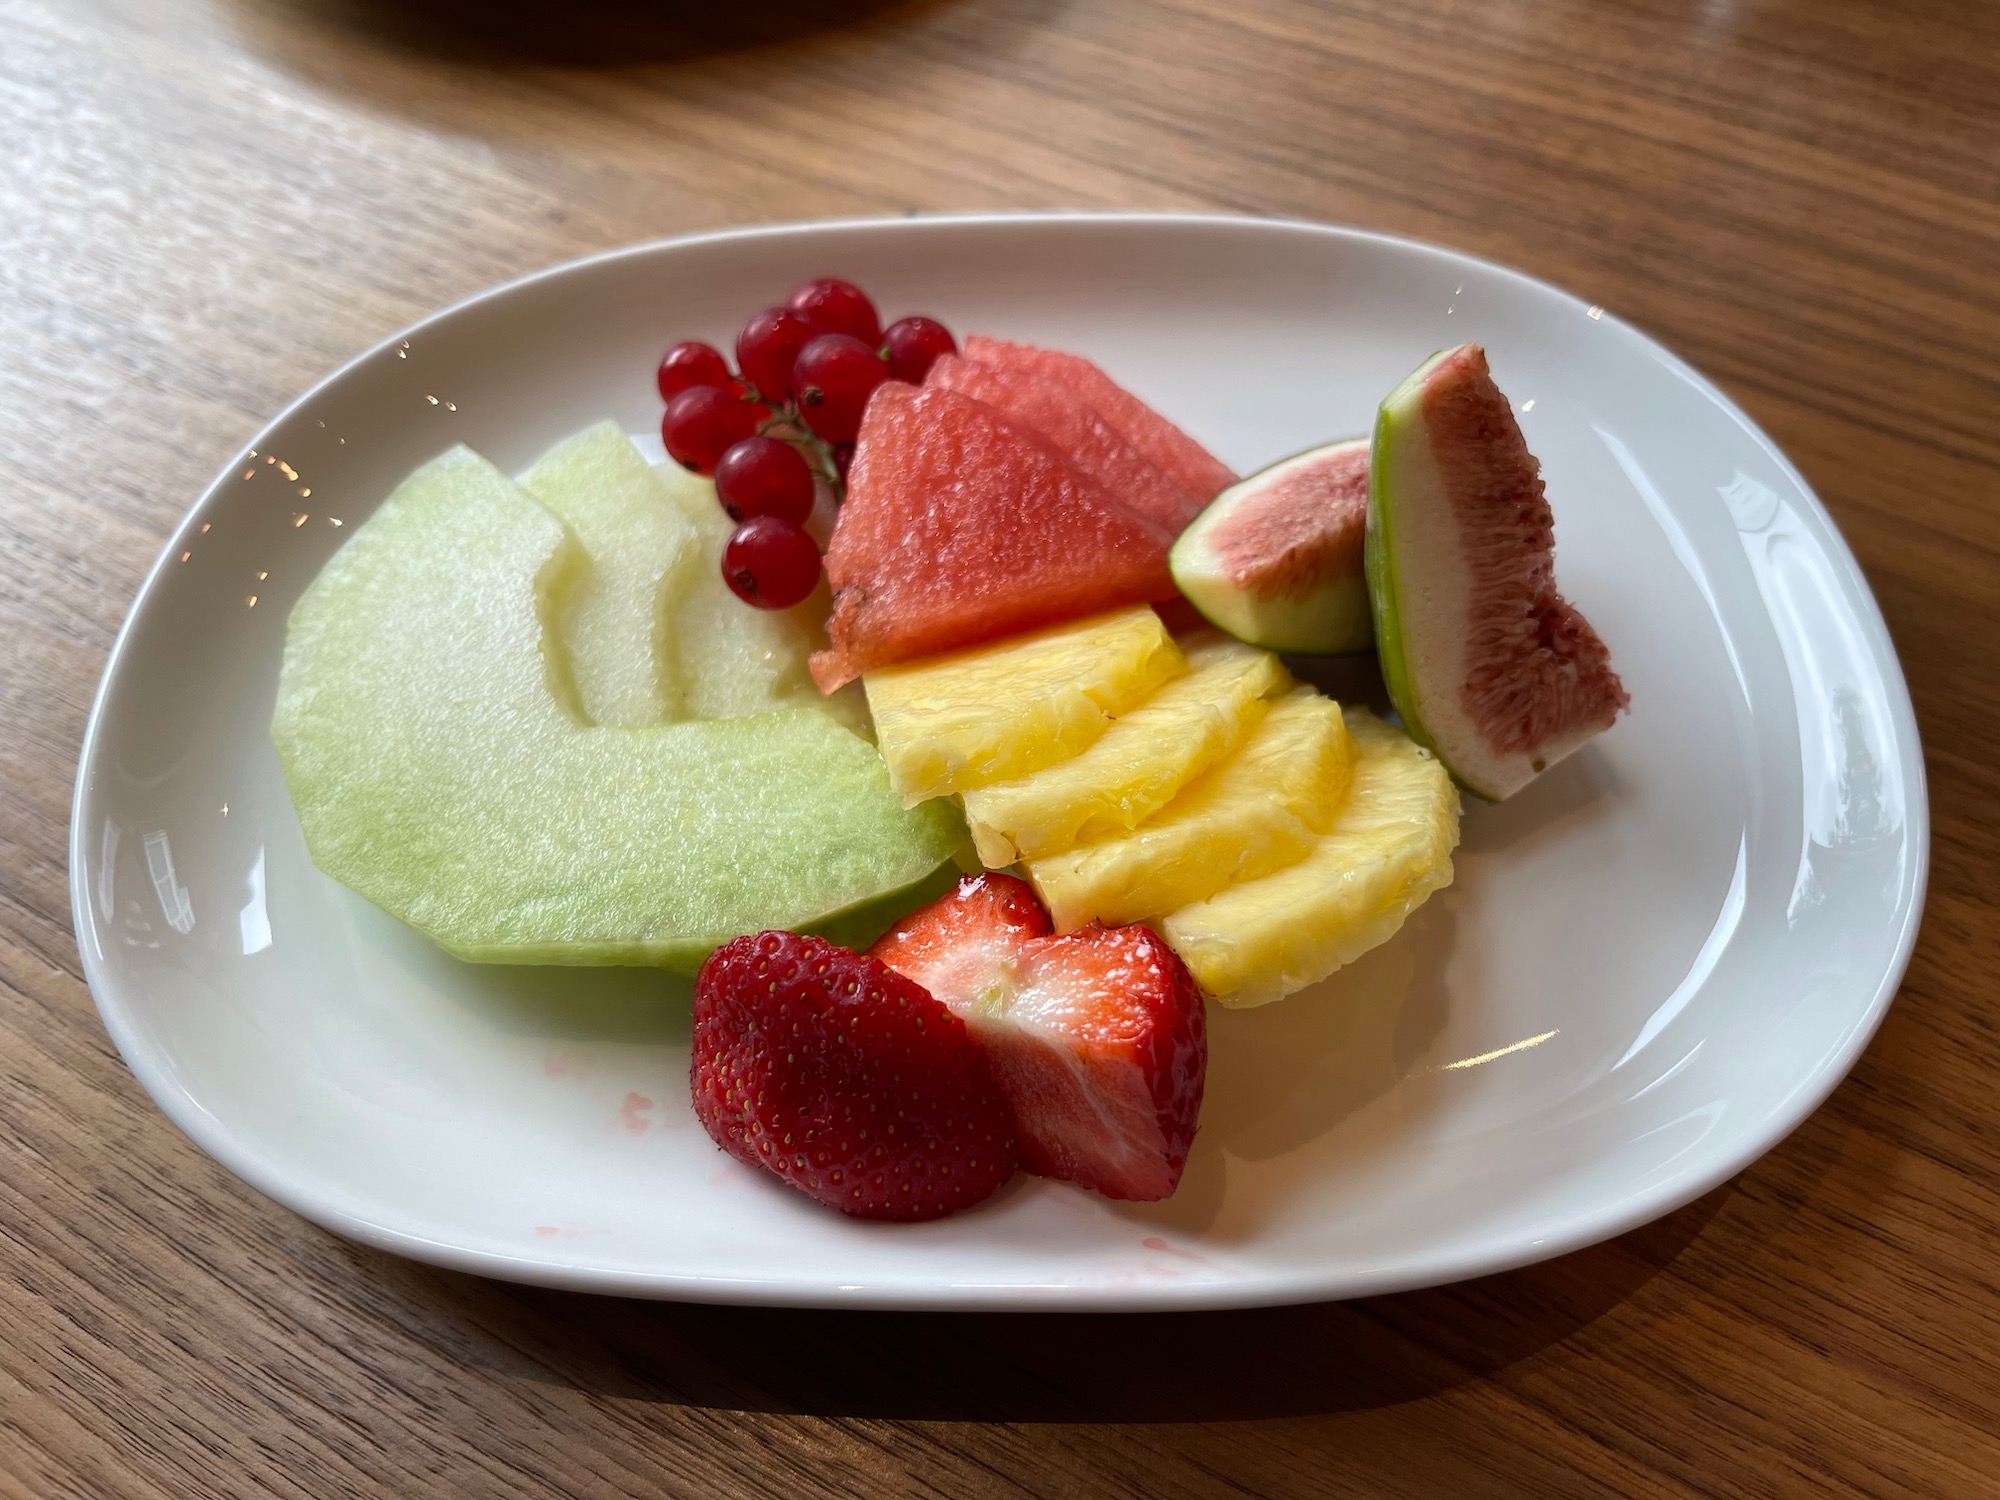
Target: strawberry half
[
  {"x": 846, "y": 1079},
  {"x": 1097, "y": 1037}
]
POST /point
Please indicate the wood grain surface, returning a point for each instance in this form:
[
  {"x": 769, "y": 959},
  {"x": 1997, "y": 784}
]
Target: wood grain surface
[{"x": 204, "y": 204}]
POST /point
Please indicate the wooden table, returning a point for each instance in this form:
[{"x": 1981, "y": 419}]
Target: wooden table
[{"x": 206, "y": 203}]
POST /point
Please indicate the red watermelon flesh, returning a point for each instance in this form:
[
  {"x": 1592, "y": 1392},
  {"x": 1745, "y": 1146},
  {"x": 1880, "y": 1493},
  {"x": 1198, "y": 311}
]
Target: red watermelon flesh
[
  {"x": 1170, "y": 450},
  {"x": 1074, "y": 430},
  {"x": 960, "y": 527}
]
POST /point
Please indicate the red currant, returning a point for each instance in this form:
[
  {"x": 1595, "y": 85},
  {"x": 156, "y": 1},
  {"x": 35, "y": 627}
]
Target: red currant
[
  {"x": 690, "y": 364},
  {"x": 764, "y": 476},
  {"x": 703, "y": 422},
  {"x": 834, "y": 306},
  {"x": 835, "y": 376},
  {"x": 913, "y": 345},
  {"x": 770, "y": 563},
  {"x": 843, "y": 457},
  {"x": 767, "y": 347}
]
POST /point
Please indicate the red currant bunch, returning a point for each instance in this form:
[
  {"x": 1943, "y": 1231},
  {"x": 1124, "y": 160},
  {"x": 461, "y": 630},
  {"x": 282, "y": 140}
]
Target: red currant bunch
[{"x": 786, "y": 420}]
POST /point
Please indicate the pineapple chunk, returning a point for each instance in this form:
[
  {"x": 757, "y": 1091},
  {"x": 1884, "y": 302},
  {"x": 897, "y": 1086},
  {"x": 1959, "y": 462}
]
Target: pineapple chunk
[
  {"x": 995, "y": 713},
  {"x": 1139, "y": 763},
  {"x": 1256, "y": 812},
  {"x": 1389, "y": 848},
  {"x": 640, "y": 546}
]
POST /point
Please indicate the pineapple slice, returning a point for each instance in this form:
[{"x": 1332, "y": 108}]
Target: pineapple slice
[
  {"x": 1258, "y": 811},
  {"x": 640, "y": 547},
  {"x": 995, "y": 713},
  {"x": 1139, "y": 763},
  {"x": 1389, "y": 848}
]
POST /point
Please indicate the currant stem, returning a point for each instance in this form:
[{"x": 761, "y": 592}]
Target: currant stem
[{"x": 784, "y": 423}]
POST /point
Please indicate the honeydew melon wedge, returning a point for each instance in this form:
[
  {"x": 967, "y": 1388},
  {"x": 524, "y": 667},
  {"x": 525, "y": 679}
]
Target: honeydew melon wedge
[
  {"x": 730, "y": 658},
  {"x": 641, "y": 550},
  {"x": 437, "y": 769},
  {"x": 1276, "y": 559}
]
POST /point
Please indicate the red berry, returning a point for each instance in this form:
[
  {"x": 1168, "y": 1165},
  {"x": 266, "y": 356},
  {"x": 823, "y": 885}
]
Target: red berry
[
  {"x": 834, "y": 306},
  {"x": 843, "y": 457},
  {"x": 767, "y": 348},
  {"x": 770, "y": 563},
  {"x": 690, "y": 364},
  {"x": 844, "y": 1079},
  {"x": 834, "y": 377},
  {"x": 703, "y": 422},
  {"x": 764, "y": 476},
  {"x": 1097, "y": 1037},
  {"x": 913, "y": 345}
]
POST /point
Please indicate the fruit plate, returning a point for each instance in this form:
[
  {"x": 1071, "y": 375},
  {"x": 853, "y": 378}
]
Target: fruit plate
[{"x": 1654, "y": 962}]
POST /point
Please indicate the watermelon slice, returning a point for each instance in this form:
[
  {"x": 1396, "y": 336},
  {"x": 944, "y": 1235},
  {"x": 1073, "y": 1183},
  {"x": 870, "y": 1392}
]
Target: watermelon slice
[
  {"x": 1072, "y": 427},
  {"x": 960, "y": 527},
  {"x": 1170, "y": 450}
]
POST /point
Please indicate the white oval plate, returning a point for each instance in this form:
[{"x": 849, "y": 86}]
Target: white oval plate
[{"x": 1654, "y": 963}]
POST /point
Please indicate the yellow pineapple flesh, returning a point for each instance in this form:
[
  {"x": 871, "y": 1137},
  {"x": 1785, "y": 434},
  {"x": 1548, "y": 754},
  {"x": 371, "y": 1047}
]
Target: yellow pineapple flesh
[
  {"x": 1389, "y": 847},
  {"x": 997, "y": 713},
  {"x": 1137, "y": 765},
  {"x": 1257, "y": 811}
]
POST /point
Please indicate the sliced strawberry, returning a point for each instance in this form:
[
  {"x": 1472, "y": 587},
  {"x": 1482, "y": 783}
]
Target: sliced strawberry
[
  {"x": 967, "y": 945},
  {"x": 1097, "y": 1037},
  {"x": 846, "y": 1079}
]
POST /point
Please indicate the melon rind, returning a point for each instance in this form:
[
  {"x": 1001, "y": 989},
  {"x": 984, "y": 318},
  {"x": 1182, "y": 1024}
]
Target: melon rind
[
  {"x": 1334, "y": 619},
  {"x": 438, "y": 767}
]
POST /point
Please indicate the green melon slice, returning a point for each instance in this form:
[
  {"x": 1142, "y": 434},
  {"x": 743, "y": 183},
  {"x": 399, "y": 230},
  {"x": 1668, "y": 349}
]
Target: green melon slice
[
  {"x": 1486, "y": 662},
  {"x": 641, "y": 549},
  {"x": 1276, "y": 559},
  {"x": 730, "y": 658},
  {"x": 423, "y": 725}
]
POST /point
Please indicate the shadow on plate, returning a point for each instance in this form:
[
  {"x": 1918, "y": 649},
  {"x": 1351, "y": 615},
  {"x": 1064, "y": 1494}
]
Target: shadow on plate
[
  {"x": 549, "y": 1002},
  {"x": 579, "y": 1004},
  {"x": 1560, "y": 793},
  {"x": 1351, "y": 680},
  {"x": 1001, "y": 1367},
  {"x": 1282, "y": 1076}
]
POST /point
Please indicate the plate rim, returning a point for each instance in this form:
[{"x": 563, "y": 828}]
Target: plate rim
[{"x": 258, "y": 1171}]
